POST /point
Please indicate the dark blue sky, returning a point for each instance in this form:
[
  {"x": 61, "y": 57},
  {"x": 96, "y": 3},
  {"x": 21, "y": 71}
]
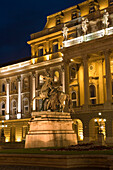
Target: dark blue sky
[{"x": 21, "y": 18}]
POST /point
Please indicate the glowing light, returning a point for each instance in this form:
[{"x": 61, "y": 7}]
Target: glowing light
[
  {"x": 47, "y": 56},
  {"x": 95, "y": 120},
  {"x": 99, "y": 114},
  {"x": 100, "y": 120},
  {"x": 72, "y": 60},
  {"x": 7, "y": 117},
  {"x": 81, "y": 137},
  {"x": 18, "y": 139},
  {"x": 18, "y": 115},
  {"x": 33, "y": 61},
  {"x": 2, "y": 121},
  {"x": 102, "y": 127},
  {"x": 104, "y": 120},
  {"x": 7, "y": 139}
]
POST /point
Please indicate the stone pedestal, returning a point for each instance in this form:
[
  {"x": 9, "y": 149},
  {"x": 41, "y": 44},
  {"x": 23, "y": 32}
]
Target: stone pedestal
[{"x": 50, "y": 129}]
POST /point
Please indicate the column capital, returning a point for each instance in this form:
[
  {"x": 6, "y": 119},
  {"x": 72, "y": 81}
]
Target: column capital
[
  {"x": 33, "y": 74},
  {"x": 7, "y": 81},
  {"x": 18, "y": 78},
  {"x": 107, "y": 53}
]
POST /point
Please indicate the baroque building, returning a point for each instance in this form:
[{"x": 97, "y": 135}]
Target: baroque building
[{"x": 76, "y": 49}]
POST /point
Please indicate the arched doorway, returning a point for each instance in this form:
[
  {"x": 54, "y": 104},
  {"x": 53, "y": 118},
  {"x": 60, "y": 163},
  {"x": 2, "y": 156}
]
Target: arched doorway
[
  {"x": 78, "y": 129},
  {"x": 96, "y": 126}
]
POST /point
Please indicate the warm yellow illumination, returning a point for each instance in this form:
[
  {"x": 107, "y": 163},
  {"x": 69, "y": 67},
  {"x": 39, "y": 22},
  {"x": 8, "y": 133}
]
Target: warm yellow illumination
[
  {"x": 18, "y": 139},
  {"x": 7, "y": 139},
  {"x": 47, "y": 57},
  {"x": 95, "y": 120}
]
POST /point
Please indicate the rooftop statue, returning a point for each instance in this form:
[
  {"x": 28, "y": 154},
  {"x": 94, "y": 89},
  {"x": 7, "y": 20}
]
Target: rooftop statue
[
  {"x": 53, "y": 98},
  {"x": 84, "y": 25},
  {"x": 105, "y": 19},
  {"x": 65, "y": 32}
]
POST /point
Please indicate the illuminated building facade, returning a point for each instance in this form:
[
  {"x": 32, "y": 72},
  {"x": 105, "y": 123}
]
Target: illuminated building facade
[{"x": 76, "y": 49}]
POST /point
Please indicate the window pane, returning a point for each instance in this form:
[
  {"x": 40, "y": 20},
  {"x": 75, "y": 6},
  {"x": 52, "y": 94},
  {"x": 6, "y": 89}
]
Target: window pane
[
  {"x": 92, "y": 91},
  {"x": 56, "y": 76},
  {"x": 73, "y": 95},
  {"x": 40, "y": 52},
  {"x": 74, "y": 104},
  {"x": 55, "y": 48}
]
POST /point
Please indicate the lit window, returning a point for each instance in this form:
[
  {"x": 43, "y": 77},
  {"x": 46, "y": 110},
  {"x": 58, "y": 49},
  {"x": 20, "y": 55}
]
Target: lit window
[
  {"x": 40, "y": 52},
  {"x": 56, "y": 76},
  {"x": 3, "y": 87},
  {"x": 92, "y": 91},
  {"x": 92, "y": 9},
  {"x": 41, "y": 80},
  {"x": 58, "y": 21},
  {"x": 74, "y": 15},
  {"x": 74, "y": 99},
  {"x": 55, "y": 47},
  {"x": 73, "y": 72},
  {"x": 110, "y": 2},
  {"x": 14, "y": 107},
  {"x": 3, "y": 108},
  {"x": 26, "y": 105}
]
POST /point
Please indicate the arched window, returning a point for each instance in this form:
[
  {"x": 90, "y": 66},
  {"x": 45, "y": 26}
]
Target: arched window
[
  {"x": 73, "y": 72},
  {"x": 14, "y": 107},
  {"x": 92, "y": 91},
  {"x": 74, "y": 99},
  {"x": 3, "y": 87},
  {"x": 3, "y": 108},
  {"x": 41, "y": 80},
  {"x": 56, "y": 76},
  {"x": 55, "y": 47},
  {"x": 26, "y": 105}
]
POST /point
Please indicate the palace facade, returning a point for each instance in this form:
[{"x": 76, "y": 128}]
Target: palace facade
[{"x": 76, "y": 49}]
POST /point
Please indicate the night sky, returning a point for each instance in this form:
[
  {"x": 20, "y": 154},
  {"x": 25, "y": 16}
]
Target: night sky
[{"x": 21, "y": 18}]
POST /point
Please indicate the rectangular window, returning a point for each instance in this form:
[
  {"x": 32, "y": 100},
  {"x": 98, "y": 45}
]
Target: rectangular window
[
  {"x": 55, "y": 48},
  {"x": 40, "y": 52},
  {"x": 58, "y": 21},
  {"x": 111, "y": 2},
  {"x": 92, "y": 9},
  {"x": 74, "y": 15}
]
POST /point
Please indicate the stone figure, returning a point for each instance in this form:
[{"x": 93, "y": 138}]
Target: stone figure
[
  {"x": 84, "y": 25},
  {"x": 65, "y": 32},
  {"x": 105, "y": 19},
  {"x": 52, "y": 97}
]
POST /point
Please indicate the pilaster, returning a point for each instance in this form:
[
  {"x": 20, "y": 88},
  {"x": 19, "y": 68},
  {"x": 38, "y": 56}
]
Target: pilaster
[{"x": 108, "y": 77}]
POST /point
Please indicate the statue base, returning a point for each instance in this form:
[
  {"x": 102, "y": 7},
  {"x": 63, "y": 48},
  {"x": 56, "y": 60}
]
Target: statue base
[{"x": 50, "y": 129}]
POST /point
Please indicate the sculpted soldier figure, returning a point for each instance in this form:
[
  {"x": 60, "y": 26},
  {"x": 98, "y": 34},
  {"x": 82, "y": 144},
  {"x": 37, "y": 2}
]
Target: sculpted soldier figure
[
  {"x": 65, "y": 32},
  {"x": 84, "y": 25},
  {"x": 105, "y": 19}
]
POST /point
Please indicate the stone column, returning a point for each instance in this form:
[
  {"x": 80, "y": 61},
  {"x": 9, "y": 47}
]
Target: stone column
[
  {"x": 7, "y": 99},
  {"x": 66, "y": 76},
  {"x": 86, "y": 81},
  {"x": 19, "y": 94},
  {"x": 109, "y": 132},
  {"x": 108, "y": 77},
  {"x": 86, "y": 131},
  {"x": 33, "y": 90},
  {"x": 101, "y": 82},
  {"x": 63, "y": 78}
]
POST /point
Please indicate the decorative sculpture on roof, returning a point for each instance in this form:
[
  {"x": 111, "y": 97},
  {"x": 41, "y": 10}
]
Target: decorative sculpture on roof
[
  {"x": 53, "y": 98},
  {"x": 105, "y": 19},
  {"x": 84, "y": 25},
  {"x": 65, "y": 32}
]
